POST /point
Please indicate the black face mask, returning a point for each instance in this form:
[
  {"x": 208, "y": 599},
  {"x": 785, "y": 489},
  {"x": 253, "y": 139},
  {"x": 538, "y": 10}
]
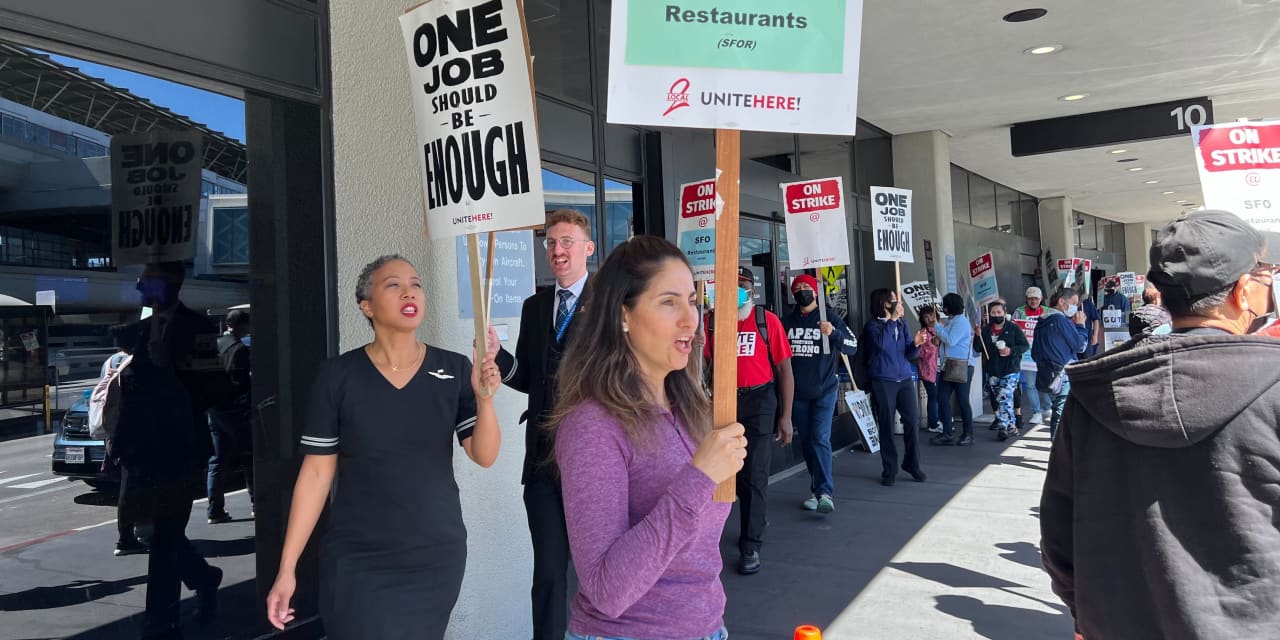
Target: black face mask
[
  {"x": 804, "y": 298},
  {"x": 997, "y": 321}
]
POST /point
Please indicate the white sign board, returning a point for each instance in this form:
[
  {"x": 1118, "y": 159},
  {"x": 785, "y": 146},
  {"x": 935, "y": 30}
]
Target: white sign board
[
  {"x": 816, "y": 232},
  {"x": 917, "y": 295},
  {"x": 860, "y": 405},
  {"x": 982, "y": 274},
  {"x": 1240, "y": 170},
  {"x": 155, "y": 196},
  {"x": 1129, "y": 285},
  {"x": 473, "y": 107},
  {"x": 1028, "y": 327},
  {"x": 760, "y": 65},
  {"x": 699, "y": 207},
  {"x": 891, "y": 221}
]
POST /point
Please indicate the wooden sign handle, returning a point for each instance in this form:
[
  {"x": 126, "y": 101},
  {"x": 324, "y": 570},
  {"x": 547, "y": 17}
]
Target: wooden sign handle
[
  {"x": 724, "y": 388},
  {"x": 479, "y": 300}
]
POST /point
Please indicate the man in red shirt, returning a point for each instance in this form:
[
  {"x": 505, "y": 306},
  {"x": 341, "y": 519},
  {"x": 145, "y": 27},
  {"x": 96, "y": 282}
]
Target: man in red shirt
[{"x": 765, "y": 390}]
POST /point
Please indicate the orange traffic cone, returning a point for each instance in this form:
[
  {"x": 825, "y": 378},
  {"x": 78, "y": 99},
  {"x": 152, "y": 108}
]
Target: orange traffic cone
[{"x": 808, "y": 632}]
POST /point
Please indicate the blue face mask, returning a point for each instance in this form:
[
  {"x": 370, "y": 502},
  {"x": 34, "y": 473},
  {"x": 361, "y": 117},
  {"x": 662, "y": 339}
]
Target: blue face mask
[{"x": 744, "y": 298}]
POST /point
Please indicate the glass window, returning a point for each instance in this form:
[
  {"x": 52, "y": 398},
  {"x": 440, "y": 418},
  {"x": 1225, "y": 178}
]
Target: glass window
[
  {"x": 960, "y": 195},
  {"x": 619, "y": 208},
  {"x": 558, "y": 41},
  {"x": 41, "y": 135},
  {"x": 230, "y": 236},
  {"x": 826, "y": 157},
  {"x": 1104, "y": 235},
  {"x": 777, "y": 150},
  {"x": 568, "y": 188},
  {"x": 982, "y": 202},
  {"x": 1030, "y": 214},
  {"x": 1007, "y": 218}
]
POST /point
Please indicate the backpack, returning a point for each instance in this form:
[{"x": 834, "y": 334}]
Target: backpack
[{"x": 104, "y": 401}]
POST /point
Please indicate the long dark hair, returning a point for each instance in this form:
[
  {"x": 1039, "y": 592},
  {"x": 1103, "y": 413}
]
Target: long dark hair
[{"x": 598, "y": 363}]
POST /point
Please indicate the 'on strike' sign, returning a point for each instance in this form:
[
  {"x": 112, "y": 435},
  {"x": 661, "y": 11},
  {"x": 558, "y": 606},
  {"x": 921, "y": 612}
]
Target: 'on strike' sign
[
  {"x": 699, "y": 204},
  {"x": 474, "y": 113},
  {"x": 1240, "y": 170},
  {"x": 891, "y": 221},
  {"x": 816, "y": 231}
]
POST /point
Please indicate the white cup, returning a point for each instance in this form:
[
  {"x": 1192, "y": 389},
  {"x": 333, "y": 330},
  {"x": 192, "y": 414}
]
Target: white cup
[{"x": 1000, "y": 344}]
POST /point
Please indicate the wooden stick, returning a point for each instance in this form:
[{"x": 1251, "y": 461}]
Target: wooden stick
[
  {"x": 478, "y": 302},
  {"x": 724, "y": 388}
]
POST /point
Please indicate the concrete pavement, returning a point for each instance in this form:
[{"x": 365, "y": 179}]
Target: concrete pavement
[{"x": 954, "y": 557}]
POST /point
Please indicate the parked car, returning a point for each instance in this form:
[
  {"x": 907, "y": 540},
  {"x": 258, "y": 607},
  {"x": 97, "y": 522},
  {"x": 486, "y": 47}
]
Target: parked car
[{"x": 76, "y": 454}]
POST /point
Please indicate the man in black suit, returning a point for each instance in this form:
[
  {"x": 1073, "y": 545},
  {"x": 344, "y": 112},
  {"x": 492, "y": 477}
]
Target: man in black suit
[{"x": 545, "y": 322}]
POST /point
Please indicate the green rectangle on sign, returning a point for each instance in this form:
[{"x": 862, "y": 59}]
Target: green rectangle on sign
[{"x": 796, "y": 36}]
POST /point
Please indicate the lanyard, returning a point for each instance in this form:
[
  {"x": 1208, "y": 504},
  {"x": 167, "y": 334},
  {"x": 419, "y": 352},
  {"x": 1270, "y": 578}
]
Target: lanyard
[{"x": 567, "y": 319}]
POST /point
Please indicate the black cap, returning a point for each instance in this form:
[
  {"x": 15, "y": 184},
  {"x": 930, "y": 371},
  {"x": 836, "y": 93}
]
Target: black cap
[
  {"x": 745, "y": 274},
  {"x": 1204, "y": 252}
]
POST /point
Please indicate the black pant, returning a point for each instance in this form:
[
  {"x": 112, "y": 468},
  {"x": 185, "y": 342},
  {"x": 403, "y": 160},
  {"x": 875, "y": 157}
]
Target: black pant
[
  {"x": 900, "y": 397},
  {"x": 124, "y": 513},
  {"x": 544, "y": 505},
  {"x": 757, "y": 411},
  {"x": 173, "y": 561}
]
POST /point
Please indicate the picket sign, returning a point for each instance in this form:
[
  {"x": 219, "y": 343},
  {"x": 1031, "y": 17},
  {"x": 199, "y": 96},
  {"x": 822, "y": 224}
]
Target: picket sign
[{"x": 860, "y": 406}]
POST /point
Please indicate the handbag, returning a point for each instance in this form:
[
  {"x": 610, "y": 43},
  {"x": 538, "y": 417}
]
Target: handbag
[{"x": 956, "y": 371}]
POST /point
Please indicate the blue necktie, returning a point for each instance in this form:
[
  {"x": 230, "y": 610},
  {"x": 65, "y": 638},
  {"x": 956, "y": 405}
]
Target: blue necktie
[{"x": 562, "y": 311}]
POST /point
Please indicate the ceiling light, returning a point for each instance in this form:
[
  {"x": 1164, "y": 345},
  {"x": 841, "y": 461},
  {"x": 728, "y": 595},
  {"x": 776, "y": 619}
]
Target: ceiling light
[
  {"x": 1073, "y": 97},
  {"x": 1118, "y": 151},
  {"x": 1153, "y": 182},
  {"x": 1135, "y": 168},
  {"x": 1166, "y": 193},
  {"x": 1025, "y": 15},
  {"x": 1048, "y": 48},
  {"x": 1181, "y": 201}
]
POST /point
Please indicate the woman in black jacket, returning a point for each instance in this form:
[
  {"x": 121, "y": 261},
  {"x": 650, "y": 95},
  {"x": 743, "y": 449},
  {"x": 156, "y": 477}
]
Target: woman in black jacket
[{"x": 1002, "y": 346}]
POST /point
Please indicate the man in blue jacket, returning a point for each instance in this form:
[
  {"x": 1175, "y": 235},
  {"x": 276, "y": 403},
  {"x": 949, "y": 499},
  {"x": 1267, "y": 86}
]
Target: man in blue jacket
[
  {"x": 816, "y": 384},
  {"x": 1060, "y": 335}
]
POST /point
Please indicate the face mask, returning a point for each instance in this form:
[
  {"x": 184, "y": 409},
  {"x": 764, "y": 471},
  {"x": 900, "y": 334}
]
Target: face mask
[
  {"x": 804, "y": 298},
  {"x": 997, "y": 320},
  {"x": 1073, "y": 309},
  {"x": 744, "y": 298}
]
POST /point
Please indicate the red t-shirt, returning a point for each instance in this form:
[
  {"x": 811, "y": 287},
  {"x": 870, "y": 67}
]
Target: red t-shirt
[
  {"x": 753, "y": 362},
  {"x": 1033, "y": 313}
]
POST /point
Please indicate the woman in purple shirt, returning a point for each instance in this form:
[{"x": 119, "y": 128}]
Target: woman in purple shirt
[{"x": 638, "y": 458}]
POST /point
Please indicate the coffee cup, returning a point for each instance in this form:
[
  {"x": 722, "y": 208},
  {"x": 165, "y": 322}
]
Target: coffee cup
[{"x": 1000, "y": 344}]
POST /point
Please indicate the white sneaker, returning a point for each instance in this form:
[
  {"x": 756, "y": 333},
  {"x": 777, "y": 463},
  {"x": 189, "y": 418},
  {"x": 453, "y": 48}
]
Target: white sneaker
[
  {"x": 1036, "y": 418},
  {"x": 937, "y": 428}
]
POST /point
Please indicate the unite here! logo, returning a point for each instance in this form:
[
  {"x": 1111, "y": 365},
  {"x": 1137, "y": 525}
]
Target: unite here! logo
[{"x": 677, "y": 95}]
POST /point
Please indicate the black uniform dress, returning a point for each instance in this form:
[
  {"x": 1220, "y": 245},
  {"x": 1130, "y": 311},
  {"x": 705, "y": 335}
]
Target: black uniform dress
[{"x": 392, "y": 559}]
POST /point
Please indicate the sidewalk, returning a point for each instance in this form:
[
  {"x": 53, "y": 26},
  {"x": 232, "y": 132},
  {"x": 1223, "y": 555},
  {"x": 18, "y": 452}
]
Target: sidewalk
[
  {"x": 955, "y": 557},
  {"x": 70, "y": 586}
]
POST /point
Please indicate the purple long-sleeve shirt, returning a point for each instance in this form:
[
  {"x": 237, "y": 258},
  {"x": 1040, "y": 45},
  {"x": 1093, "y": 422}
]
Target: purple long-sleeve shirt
[{"x": 643, "y": 528}]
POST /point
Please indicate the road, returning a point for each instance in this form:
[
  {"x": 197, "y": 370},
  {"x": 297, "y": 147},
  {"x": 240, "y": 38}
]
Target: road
[{"x": 35, "y": 504}]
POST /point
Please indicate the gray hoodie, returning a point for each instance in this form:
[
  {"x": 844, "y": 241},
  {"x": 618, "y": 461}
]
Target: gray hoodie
[{"x": 1160, "y": 516}]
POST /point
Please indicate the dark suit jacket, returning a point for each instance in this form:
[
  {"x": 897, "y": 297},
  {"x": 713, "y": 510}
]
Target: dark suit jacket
[{"x": 532, "y": 370}]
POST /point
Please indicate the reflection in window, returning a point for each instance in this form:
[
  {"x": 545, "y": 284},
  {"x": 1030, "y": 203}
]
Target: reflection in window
[
  {"x": 566, "y": 188},
  {"x": 960, "y": 195},
  {"x": 558, "y": 41},
  {"x": 230, "y": 235},
  {"x": 982, "y": 202},
  {"x": 619, "y": 208}
]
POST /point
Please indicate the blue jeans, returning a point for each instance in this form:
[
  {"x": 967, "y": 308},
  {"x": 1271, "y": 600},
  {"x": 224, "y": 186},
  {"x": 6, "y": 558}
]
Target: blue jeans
[
  {"x": 1030, "y": 395},
  {"x": 931, "y": 405},
  {"x": 230, "y": 452},
  {"x": 1057, "y": 402},
  {"x": 812, "y": 419},
  {"x": 722, "y": 634},
  {"x": 945, "y": 390}
]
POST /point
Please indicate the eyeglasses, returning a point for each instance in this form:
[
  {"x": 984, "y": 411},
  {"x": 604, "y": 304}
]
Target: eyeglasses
[
  {"x": 565, "y": 243},
  {"x": 1265, "y": 267}
]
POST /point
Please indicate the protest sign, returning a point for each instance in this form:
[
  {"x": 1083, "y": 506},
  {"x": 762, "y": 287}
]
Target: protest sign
[
  {"x": 512, "y": 274},
  {"x": 473, "y": 106},
  {"x": 832, "y": 279},
  {"x": 1129, "y": 285},
  {"x": 929, "y": 271},
  {"x": 918, "y": 295},
  {"x": 760, "y": 65},
  {"x": 1113, "y": 318},
  {"x": 816, "y": 232},
  {"x": 155, "y": 196},
  {"x": 1068, "y": 271},
  {"x": 891, "y": 221},
  {"x": 1028, "y": 327},
  {"x": 1239, "y": 166},
  {"x": 1051, "y": 272},
  {"x": 982, "y": 273},
  {"x": 699, "y": 205}
]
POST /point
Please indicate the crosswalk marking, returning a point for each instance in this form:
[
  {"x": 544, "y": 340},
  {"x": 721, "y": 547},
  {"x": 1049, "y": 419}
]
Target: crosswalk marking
[
  {"x": 17, "y": 478},
  {"x": 37, "y": 484}
]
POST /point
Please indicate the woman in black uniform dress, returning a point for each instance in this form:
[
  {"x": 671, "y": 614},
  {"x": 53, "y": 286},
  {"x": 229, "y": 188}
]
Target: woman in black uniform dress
[{"x": 384, "y": 418}]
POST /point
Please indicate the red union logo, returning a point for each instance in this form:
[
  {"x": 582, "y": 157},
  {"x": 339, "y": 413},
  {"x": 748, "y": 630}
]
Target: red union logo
[
  {"x": 814, "y": 217},
  {"x": 677, "y": 95},
  {"x": 702, "y": 222}
]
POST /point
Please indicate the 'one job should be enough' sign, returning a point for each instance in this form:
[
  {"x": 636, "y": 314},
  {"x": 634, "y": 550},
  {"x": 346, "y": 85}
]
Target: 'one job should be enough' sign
[
  {"x": 474, "y": 110},
  {"x": 155, "y": 196},
  {"x": 891, "y": 223}
]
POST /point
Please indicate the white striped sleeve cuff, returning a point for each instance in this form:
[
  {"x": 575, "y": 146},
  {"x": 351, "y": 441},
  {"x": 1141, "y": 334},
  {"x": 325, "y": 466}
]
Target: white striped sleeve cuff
[
  {"x": 515, "y": 366},
  {"x": 464, "y": 429},
  {"x": 319, "y": 443}
]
